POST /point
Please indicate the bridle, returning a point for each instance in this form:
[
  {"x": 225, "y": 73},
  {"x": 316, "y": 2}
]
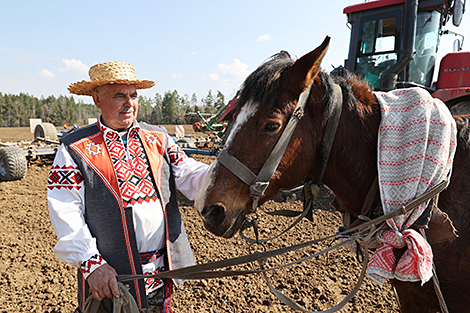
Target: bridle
[{"x": 259, "y": 183}]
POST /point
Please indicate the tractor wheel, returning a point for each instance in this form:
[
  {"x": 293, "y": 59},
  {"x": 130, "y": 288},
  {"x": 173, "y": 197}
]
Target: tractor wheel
[
  {"x": 46, "y": 131},
  {"x": 461, "y": 108},
  {"x": 13, "y": 163}
]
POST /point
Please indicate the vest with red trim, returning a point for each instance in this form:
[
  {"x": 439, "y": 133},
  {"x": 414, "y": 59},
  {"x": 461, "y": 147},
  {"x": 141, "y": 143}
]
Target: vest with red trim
[{"x": 112, "y": 224}]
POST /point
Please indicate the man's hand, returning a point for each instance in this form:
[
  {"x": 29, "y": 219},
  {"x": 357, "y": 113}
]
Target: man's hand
[{"x": 103, "y": 283}]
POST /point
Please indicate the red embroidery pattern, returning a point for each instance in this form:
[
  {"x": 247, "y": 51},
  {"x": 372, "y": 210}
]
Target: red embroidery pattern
[
  {"x": 151, "y": 256},
  {"x": 148, "y": 257},
  {"x": 415, "y": 122},
  {"x": 152, "y": 283},
  {"x": 133, "y": 172},
  {"x": 176, "y": 154},
  {"x": 68, "y": 177},
  {"x": 88, "y": 266}
]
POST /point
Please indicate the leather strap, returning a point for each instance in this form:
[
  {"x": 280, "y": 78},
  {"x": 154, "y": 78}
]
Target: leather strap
[
  {"x": 236, "y": 167},
  {"x": 209, "y": 270},
  {"x": 267, "y": 171},
  {"x": 260, "y": 183},
  {"x": 330, "y": 133}
]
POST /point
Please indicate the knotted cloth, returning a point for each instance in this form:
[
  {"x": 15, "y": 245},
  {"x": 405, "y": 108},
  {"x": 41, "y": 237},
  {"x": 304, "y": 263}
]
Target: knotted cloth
[
  {"x": 416, "y": 146},
  {"x": 414, "y": 265}
]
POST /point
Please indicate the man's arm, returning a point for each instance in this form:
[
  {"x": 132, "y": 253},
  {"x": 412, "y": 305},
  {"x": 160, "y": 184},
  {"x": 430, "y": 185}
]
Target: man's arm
[
  {"x": 76, "y": 245},
  {"x": 189, "y": 173}
]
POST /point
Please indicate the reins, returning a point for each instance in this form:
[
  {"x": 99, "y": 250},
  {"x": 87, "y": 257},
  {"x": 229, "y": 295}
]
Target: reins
[
  {"x": 203, "y": 271},
  {"x": 361, "y": 232},
  {"x": 258, "y": 185}
]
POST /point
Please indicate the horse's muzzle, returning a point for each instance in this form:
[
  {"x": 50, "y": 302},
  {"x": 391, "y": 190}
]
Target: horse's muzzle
[
  {"x": 213, "y": 216},
  {"x": 216, "y": 221}
]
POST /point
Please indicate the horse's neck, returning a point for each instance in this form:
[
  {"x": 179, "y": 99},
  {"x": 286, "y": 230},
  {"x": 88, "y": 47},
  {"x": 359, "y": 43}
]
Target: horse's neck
[{"x": 352, "y": 167}]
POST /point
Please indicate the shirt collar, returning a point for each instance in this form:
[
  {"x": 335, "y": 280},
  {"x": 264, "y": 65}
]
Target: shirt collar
[{"x": 110, "y": 133}]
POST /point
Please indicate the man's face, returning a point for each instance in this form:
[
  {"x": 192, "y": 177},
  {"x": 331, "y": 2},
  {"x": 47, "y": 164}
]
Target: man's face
[{"x": 118, "y": 104}]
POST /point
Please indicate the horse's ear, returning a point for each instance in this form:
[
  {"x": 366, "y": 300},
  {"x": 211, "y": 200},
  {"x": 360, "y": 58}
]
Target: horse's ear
[{"x": 304, "y": 70}]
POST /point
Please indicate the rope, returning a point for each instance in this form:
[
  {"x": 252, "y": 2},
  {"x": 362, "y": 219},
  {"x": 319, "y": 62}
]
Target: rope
[{"x": 436, "y": 284}]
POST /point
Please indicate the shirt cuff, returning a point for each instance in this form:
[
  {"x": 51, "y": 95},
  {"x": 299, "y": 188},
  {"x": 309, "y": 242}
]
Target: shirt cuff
[{"x": 88, "y": 266}]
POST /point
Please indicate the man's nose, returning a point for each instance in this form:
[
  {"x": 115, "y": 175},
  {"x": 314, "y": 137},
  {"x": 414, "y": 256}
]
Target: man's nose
[{"x": 128, "y": 101}]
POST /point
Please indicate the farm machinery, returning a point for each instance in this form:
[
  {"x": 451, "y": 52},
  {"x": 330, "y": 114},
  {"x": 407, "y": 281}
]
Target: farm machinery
[
  {"x": 394, "y": 44},
  {"x": 215, "y": 124},
  {"x": 15, "y": 156}
]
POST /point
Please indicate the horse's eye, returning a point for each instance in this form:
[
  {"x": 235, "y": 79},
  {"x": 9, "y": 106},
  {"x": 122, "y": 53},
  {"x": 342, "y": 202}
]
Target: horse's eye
[{"x": 271, "y": 128}]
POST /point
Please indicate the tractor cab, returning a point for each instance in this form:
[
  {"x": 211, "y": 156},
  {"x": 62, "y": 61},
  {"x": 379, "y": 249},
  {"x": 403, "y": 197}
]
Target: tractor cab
[{"x": 394, "y": 42}]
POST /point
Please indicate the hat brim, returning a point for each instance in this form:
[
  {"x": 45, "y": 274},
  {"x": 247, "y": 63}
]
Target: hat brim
[{"x": 85, "y": 88}]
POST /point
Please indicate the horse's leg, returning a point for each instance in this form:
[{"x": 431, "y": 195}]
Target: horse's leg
[
  {"x": 414, "y": 298},
  {"x": 452, "y": 272}
]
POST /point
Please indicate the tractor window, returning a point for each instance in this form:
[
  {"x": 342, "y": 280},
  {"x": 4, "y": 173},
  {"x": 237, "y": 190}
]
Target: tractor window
[
  {"x": 421, "y": 68},
  {"x": 377, "y": 49}
]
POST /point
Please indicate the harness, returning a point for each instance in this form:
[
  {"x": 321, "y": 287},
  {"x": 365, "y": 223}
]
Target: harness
[{"x": 258, "y": 185}]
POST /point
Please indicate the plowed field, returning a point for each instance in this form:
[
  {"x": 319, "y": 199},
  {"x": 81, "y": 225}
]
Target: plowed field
[{"x": 32, "y": 279}]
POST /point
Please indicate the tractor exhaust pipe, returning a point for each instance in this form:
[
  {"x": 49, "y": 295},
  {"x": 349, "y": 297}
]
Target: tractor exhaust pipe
[{"x": 388, "y": 79}]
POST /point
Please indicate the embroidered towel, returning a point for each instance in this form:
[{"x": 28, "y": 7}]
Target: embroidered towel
[{"x": 416, "y": 146}]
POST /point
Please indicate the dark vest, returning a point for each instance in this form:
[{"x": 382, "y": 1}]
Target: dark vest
[{"x": 109, "y": 222}]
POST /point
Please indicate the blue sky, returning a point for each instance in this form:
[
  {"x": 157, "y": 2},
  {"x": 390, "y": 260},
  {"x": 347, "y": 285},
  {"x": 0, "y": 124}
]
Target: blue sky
[{"x": 190, "y": 46}]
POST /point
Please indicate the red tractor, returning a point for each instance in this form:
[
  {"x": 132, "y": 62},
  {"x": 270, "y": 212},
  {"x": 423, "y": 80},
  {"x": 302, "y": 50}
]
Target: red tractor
[{"x": 394, "y": 45}]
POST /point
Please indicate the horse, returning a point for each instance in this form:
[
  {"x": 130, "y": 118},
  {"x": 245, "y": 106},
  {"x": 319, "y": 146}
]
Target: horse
[{"x": 267, "y": 100}]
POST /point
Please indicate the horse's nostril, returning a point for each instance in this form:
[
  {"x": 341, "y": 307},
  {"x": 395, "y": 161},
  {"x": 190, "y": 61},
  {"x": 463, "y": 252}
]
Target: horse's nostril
[{"x": 213, "y": 215}]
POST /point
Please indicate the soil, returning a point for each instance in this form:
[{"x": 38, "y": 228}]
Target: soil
[{"x": 33, "y": 279}]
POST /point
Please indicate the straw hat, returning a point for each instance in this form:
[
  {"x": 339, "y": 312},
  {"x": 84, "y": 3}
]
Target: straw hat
[{"x": 109, "y": 73}]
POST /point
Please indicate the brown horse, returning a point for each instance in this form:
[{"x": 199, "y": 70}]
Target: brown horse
[{"x": 267, "y": 101}]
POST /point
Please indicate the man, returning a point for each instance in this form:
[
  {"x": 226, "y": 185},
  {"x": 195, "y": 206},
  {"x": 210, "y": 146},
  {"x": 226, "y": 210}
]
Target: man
[{"x": 111, "y": 193}]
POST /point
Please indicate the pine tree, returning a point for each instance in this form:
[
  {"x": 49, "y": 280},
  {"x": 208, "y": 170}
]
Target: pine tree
[{"x": 219, "y": 101}]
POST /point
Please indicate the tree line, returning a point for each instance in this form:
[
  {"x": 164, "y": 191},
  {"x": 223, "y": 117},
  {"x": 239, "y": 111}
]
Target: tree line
[{"x": 166, "y": 109}]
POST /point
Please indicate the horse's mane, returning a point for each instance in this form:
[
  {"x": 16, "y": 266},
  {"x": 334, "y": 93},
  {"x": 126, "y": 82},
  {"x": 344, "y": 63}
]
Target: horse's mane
[
  {"x": 261, "y": 85},
  {"x": 356, "y": 91},
  {"x": 463, "y": 126}
]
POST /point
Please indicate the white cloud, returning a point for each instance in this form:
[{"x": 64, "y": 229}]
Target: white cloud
[
  {"x": 193, "y": 53},
  {"x": 47, "y": 74},
  {"x": 224, "y": 72},
  {"x": 177, "y": 75},
  {"x": 74, "y": 66},
  {"x": 266, "y": 37},
  {"x": 216, "y": 77}
]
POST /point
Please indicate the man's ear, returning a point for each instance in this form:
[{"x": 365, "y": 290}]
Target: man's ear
[{"x": 96, "y": 98}]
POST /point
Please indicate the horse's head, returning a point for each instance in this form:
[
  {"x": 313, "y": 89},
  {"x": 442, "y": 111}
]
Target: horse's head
[{"x": 267, "y": 101}]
